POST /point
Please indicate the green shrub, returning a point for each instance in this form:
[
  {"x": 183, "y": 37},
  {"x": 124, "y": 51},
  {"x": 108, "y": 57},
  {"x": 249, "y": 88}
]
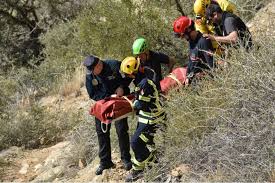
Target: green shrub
[{"x": 108, "y": 34}]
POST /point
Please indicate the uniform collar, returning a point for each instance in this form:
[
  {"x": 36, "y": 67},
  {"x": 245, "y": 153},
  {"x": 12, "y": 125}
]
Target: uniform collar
[
  {"x": 104, "y": 70},
  {"x": 199, "y": 35}
]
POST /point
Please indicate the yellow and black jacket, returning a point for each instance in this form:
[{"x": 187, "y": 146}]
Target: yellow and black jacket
[{"x": 148, "y": 103}]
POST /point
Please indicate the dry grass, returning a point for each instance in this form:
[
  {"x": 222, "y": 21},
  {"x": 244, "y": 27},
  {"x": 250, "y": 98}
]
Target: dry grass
[
  {"x": 73, "y": 85},
  {"x": 224, "y": 128},
  {"x": 84, "y": 138},
  {"x": 34, "y": 126}
]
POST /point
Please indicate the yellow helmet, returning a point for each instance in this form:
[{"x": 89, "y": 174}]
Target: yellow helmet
[
  {"x": 200, "y": 6},
  {"x": 129, "y": 65}
]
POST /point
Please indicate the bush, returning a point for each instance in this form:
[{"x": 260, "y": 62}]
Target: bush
[
  {"x": 84, "y": 138},
  {"x": 248, "y": 8},
  {"x": 108, "y": 34},
  {"x": 223, "y": 128},
  {"x": 34, "y": 126}
]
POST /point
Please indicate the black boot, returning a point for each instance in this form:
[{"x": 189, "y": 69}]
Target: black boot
[
  {"x": 101, "y": 167},
  {"x": 127, "y": 165}
]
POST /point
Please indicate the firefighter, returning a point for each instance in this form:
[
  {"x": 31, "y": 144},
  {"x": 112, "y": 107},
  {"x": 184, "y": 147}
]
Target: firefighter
[
  {"x": 233, "y": 29},
  {"x": 151, "y": 116},
  {"x": 200, "y": 9},
  {"x": 206, "y": 27},
  {"x": 200, "y": 48},
  {"x": 152, "y": 59},
  {"x": 103, "y": 79}
]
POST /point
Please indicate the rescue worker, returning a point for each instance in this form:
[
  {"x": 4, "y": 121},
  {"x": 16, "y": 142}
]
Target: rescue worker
[
  {"x": 200, "y": 9},
  {"x": 151, "y": 116},
  {"x": 233, "y": 29},
  {"x": 152, "y": 59},
  {"x": 103, "y": 79},
  {"x": 206, "y": 27},
  {"x": 200, "y": 48}
]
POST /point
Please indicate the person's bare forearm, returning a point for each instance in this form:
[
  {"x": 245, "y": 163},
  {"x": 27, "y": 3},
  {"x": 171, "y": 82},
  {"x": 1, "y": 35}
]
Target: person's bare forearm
[
  {"x": 226, "y": 39},
  {"x": 230, "y": 39}
]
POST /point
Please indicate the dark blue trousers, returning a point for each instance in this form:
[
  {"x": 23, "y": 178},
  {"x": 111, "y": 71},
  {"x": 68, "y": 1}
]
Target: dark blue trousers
[
  {"x": 105, "y": 142},
  {"x": 138, "y": 145}
]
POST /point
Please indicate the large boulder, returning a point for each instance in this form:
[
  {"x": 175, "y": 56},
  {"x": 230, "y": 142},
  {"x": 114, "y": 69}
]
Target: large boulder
[{"x": 263, "y": 22}]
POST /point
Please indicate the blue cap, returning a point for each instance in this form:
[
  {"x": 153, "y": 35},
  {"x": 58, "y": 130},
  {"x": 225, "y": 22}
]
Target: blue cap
[{"x": 90, "y": 62}]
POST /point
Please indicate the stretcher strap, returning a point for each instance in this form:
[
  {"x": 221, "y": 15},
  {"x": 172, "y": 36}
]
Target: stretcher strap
[
  {"x": 130, "y": 102},
  {"x": 132, "y": 106},
  {"x": 171, "y": 75}
]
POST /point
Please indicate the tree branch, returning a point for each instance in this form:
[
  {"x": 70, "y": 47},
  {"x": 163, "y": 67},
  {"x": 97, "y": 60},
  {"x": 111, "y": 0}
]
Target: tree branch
[{"x": 179, "y": 8}]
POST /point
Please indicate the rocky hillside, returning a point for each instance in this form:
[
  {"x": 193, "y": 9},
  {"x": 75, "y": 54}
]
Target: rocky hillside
[
  {"x": 57, "y": 164},
  {"x": 262, "y": 24}
]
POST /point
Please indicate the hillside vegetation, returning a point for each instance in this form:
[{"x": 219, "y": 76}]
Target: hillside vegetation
[{"x": 221, "y": 129}]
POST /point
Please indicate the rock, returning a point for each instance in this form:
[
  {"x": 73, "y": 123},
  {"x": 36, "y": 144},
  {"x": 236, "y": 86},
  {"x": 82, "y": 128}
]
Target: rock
[
  {"x": 11, "y": 152},
  {"x": 56, "y": 164},
  {"x": 82, "y": 163},
  {"x": 37, "y": 167},
  {"x": 262, "y": 24},
  {"x": 51, "y": 175},
  {"x": 61, "y": 154},
  {"x": 180, "y": 170},
  {"x": 24, "y": 168}
]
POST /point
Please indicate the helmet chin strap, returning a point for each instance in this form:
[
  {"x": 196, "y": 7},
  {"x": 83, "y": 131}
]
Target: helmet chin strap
[{"x": 147, "y": 55}]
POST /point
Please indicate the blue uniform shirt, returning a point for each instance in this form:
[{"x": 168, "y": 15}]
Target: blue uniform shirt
[{"x": 108, "y": 81}]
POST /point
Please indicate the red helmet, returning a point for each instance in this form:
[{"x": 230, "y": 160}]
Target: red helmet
[{"x": 181, "y": 23}]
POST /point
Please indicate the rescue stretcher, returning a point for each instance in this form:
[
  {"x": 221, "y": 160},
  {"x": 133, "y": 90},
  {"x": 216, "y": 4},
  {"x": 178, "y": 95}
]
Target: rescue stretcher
[
  {"x": 112, "y": 109},
  {"x": 175, "y": 79}
]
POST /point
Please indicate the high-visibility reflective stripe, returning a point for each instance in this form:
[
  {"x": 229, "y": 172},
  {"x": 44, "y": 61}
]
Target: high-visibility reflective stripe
[
  {"x": 145, "y": 139},
  {"x": 151, "y": 114},
  {"x": 141, "y": 165},
  {"x": 152, "y": 118},
  {"x": 137, "y": 88},
  {"x": 153, "y": 121},
  {"x": 138, "y": 165},
  {"x": 135, "y": 167},
  {"x": 148, "y": 121},
  {"x": 143, "y": 98},
  {"x": 156, "y": 94}
]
